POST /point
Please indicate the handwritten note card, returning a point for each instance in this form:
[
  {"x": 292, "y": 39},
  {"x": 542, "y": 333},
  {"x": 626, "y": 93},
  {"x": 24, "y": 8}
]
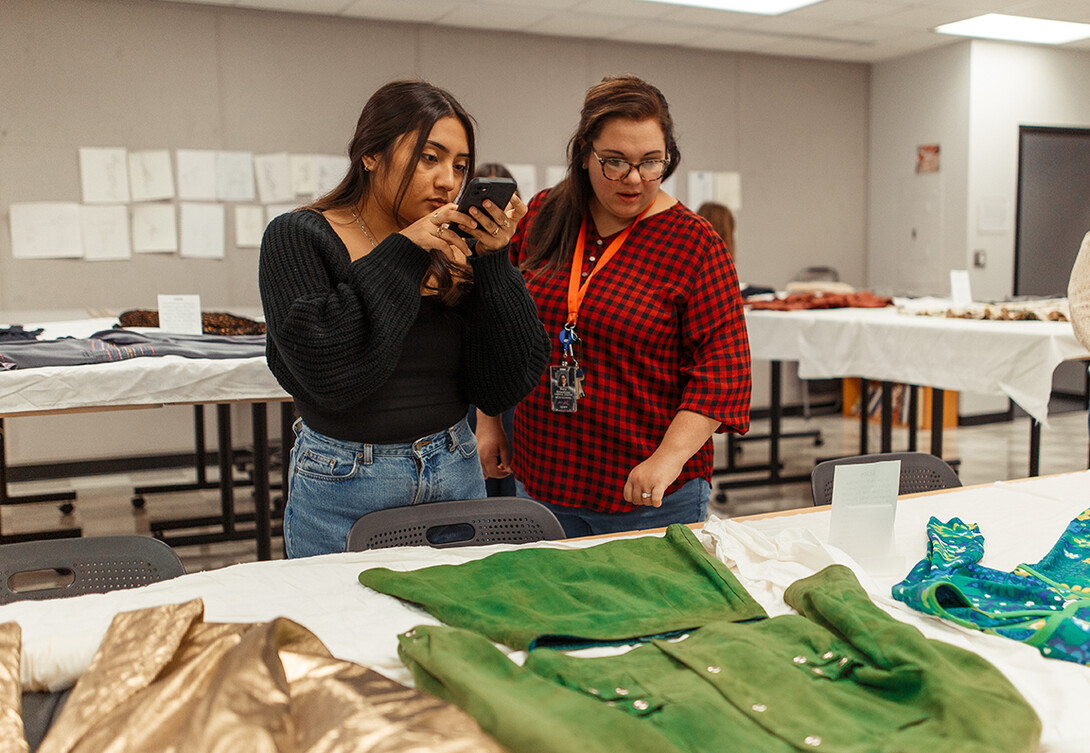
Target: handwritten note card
[
  {"x": 180, "y": 314},
  {"x": 864, "y": 509}
]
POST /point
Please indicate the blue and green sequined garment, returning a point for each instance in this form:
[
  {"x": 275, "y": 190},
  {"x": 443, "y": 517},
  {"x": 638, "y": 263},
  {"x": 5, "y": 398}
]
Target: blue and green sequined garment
[{"x": 1046, "y": 605}]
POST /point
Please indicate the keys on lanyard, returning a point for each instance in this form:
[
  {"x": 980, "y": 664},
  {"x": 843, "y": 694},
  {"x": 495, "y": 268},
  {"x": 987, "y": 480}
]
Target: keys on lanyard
[
  {"x": 571, "y": 343},
  {"x": 566, "y": 380}
]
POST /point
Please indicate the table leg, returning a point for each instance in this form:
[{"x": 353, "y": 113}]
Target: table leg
[
  {"x": 864, "y": 399},
  {"x": 7, "y": 499},
  {"x": 262, "y": 523},
  {"x": 936, "y": 421},
  {"x": 227, "y": 477},
  {"x": 913, "y": 396},
  {"x": 1034, "y": 447},
  {"x": 775, "y": 415},
  {"x": 887, "y": 417}
]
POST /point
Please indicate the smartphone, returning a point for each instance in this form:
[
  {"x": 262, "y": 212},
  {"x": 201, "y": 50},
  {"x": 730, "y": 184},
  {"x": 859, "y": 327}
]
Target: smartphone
[{"x": 498, "y": 190}]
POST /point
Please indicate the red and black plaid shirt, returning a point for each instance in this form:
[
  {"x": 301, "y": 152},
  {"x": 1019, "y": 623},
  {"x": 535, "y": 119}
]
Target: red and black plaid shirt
[{"x": 663, "y": 331}]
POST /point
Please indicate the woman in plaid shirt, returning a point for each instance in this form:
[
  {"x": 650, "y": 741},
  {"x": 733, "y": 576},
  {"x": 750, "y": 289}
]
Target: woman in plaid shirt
[{"x": 650, "y": 355}]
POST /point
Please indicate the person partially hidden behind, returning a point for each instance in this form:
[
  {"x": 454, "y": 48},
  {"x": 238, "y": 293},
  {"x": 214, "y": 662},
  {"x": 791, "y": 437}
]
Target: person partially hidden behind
[
  {"x": 640, "y": 298},
  {"x": 383, "y": 324}
]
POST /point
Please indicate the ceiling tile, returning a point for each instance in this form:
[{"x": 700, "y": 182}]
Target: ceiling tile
[
  {"x": 417, "y": 11},
  {"x": 576, "y": 23},
  {"x": 313, "y": 6},
  {"x": 658, "y": 32}
]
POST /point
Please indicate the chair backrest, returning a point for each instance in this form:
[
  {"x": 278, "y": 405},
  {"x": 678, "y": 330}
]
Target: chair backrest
[
  {"x": 920, "y": 472},
  {"x": 464, "y": 522},
  {"x": 53, "y": 568}
]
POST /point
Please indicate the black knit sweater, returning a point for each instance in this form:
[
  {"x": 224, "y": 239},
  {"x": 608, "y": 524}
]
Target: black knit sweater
[{"x": 336, "y": 326}]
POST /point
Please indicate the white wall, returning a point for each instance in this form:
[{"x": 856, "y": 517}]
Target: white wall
[
  {"x": 146, "y": 75},
  {"x": 916, "y": 222},
  {"x": 1012, "y": 86}
]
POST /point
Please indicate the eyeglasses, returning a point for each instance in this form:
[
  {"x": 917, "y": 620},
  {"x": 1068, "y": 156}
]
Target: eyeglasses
[{"x": 618, "y": 169}]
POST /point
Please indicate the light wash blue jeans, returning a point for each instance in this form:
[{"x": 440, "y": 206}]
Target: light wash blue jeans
[
  {"x": 332, "y": 482},
  {"x": 689, "y": 504}
]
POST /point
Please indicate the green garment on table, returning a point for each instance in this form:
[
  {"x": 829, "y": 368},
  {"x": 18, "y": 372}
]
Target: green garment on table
[
  {"x": 613, "y": 592},
  {"x": 841, "y": 676}
]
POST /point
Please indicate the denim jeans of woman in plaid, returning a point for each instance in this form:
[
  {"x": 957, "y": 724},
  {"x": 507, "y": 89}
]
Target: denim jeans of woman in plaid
[{"x": 333, "y": 482}]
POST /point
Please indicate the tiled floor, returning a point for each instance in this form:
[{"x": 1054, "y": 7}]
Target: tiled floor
[{"x": 987, "y": 453}]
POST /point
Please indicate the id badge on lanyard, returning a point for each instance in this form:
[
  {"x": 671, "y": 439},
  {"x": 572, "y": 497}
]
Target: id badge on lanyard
[{"x": 566, "y": 380}]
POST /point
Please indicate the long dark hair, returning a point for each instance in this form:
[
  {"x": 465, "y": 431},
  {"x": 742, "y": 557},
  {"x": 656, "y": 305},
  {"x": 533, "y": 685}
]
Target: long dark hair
[
  {"x": 552, "y": 237},
  {"x": 397, "y": 109}
]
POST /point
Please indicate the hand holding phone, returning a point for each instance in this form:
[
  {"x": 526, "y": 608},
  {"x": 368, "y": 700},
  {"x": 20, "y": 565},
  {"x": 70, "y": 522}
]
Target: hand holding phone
[{"x": 498, "y": 190}]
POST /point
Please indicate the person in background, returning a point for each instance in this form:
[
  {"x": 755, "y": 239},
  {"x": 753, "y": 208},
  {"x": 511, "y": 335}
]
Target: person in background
[
  {"x": 722, "y": 220},
  {"x": 1078, "y": 296},
  {"x": 383, "y": 324},
  {"x": 640, "y": 298}
]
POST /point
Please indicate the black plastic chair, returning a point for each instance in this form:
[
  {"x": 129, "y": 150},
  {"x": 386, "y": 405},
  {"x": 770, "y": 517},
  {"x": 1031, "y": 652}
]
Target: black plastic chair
[
  {"x": 464, "y": 522},
  {"x": 920, "y": 472},
  {"x": 55, "y": 568}
]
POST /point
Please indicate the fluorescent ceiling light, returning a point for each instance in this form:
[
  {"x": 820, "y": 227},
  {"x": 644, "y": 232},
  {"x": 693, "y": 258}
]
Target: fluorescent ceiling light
[
  {"x": 1017, "y": 29},
  {"x": 763, "y": 7}
]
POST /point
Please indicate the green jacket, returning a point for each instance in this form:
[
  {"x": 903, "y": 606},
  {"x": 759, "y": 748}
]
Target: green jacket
[{"x": 842, "y": 675}]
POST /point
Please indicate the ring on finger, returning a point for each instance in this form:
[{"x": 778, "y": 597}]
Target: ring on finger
[
  {"x": 439, "y": 231},
  {"x": 495, "y": 232},
  {"x": 435, "y": 219},
  {"x": 506, "y": 224},
  {"x": 646, "y": 495}
]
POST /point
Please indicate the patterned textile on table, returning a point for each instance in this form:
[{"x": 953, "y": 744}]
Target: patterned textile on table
[
  {"x": 165, "y": 680},
  {"x": 841, "y": 675},
  {"x": 212, "y": 322},
  {"x": 1046, "y": 605},
  {"x": 804, "y": 301}
]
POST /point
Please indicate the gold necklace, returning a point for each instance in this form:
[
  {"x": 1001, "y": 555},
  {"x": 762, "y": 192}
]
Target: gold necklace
[{"x": 364, "y": 228}]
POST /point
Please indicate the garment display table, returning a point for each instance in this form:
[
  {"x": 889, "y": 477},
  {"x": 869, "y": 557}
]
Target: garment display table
[
  {"x": 152, "y": 382},
  {"x": 1019, "y": 519},
  {"x": 1015, "y": 359}
]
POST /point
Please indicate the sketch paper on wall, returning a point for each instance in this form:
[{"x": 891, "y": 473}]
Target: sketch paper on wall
[
  {"x": 329, "y": 170},
  {"x": 304, "y": 181},
  {"x": 273, "y": 173},
  {"x": 104, "y": 175},
  {"x": 249, "y": 225},
  {"x": 154, "y": 228},
  {"x": 105, "y": 231},
  {"x": 196, "y": 174},
  {"x": 151, "y": 177},
  {"x": 202, "y": 231},
  {"x": 235, "y": 176},
  {"x": 46, "y": 230}
]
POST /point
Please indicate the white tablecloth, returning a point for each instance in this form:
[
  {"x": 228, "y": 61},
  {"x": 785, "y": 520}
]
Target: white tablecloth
[
  {"x": 1015, "y": 359},
  {"x": 160, "y": 380},
  {"x": 1020, "y": 520}
]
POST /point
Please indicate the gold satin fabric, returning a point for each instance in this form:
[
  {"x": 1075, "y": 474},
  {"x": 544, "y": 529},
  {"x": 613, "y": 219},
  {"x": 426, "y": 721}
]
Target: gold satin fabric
[
  {"x": 12, "y": 739},
  {"x": 165, "y": 681}
]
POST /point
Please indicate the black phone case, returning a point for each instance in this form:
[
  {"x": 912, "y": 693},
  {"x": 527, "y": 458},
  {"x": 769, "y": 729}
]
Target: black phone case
[{"x": 499, "y": 190}]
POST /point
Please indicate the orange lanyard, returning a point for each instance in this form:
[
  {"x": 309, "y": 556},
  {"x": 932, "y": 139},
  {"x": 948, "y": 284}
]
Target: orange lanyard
[{"x": 576, "y": 292}]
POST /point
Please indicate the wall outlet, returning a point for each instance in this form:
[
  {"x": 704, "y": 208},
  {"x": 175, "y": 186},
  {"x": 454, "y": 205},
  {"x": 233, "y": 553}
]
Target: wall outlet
[{"x": 980, "y": 258}]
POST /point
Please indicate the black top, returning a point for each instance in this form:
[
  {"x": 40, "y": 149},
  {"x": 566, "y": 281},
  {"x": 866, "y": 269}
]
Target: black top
[{"x": 339, "y": 333}]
